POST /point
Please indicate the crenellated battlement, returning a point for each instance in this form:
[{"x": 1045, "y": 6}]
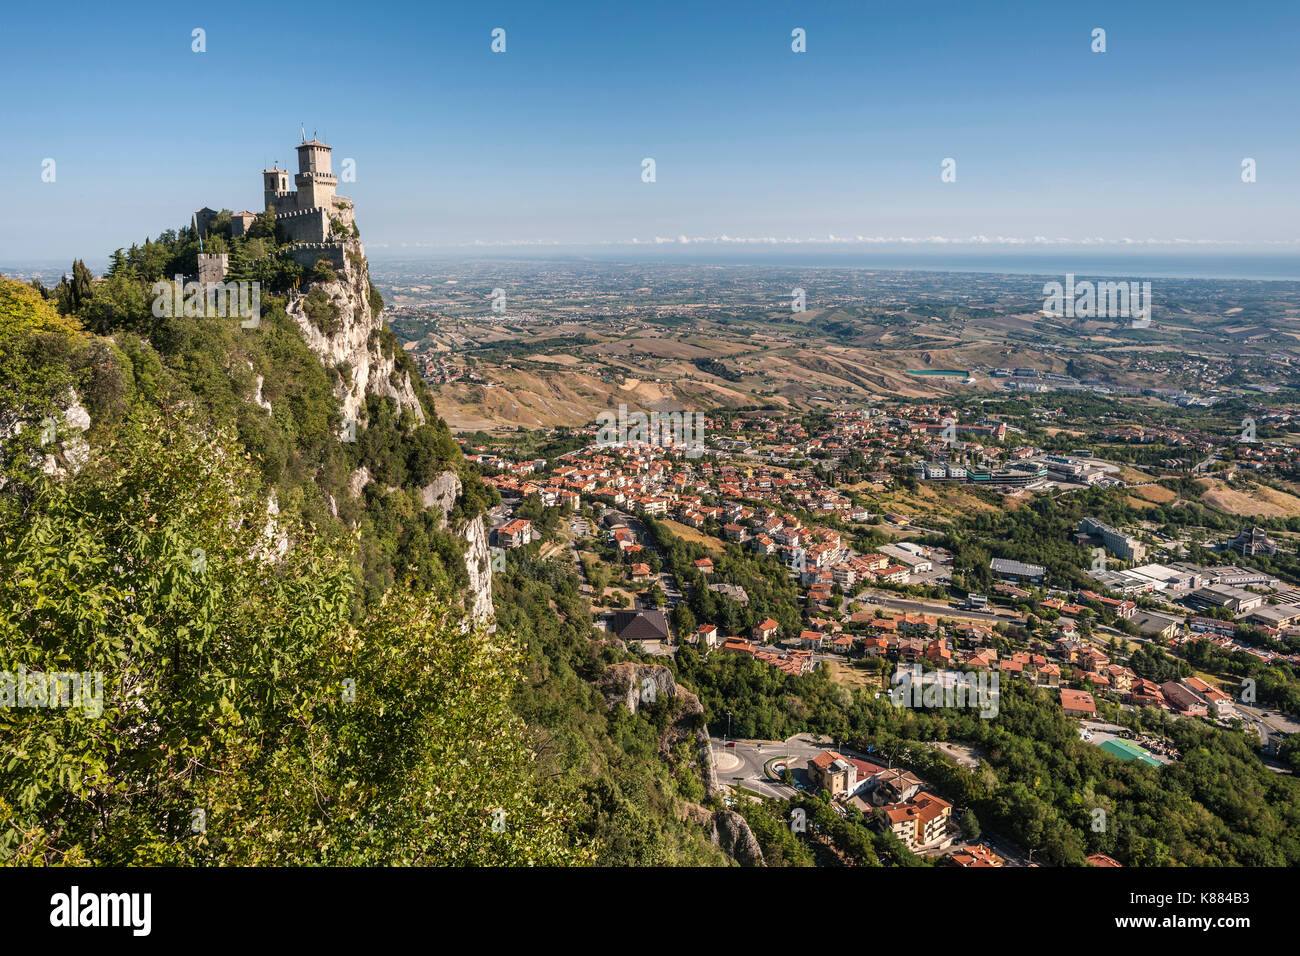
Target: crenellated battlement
[
  {"x": 304, "y": 213},
  {"x": 298, "y": 213}
]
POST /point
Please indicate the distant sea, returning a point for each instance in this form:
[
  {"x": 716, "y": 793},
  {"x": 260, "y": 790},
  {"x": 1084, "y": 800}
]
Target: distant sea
[
  {"x": 1129, "y": 264},
  {"x": 1126, "y": 264}
]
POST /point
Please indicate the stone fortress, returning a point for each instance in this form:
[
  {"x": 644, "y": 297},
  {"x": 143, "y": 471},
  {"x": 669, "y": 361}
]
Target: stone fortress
[{"x": 311, "y": 216}]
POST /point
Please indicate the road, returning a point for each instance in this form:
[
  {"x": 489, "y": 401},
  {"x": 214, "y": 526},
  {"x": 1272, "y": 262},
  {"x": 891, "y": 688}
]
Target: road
[
  {"x": 889, "y": 600},
  {"x": 666, "y": 582},
  {"x": 742, "y": 765}
]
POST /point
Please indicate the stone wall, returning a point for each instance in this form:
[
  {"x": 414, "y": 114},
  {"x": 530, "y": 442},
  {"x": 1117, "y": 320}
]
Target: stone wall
[
  {"x": 304, "y": 225},
  {"x": 306, "y": 254},
  {"x": 213, "y": 266}
]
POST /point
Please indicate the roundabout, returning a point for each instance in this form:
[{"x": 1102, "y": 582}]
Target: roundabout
[{"x": 725, "y": 759}]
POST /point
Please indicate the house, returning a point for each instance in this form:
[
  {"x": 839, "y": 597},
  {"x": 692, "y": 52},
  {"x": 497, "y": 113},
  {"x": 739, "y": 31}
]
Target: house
[
  {"x": 704, "y": 566},
  {"x": 640, "y": 625},
  {"x": 976, "y": 856},
  {"x": 922, "y": 821},
  {"x": 842, "y": 776},
  {"x": 894, "y": 786},
  {"x": 1101, "y": 859},
  {"x": 1146, "y": 693},
  {"x": 1077, "y": 703},
  {"x": 733, "y": 591},
  {"x": 1219, "y": 703},
  {"x": 911, "y": 649},
  {"x": 1091, "y": 659},
  {"x": 875, "y": 646},
  {"x": 766, "y": 630},
  {"x": 642, "y": 572},
  {"x": 938, "y": 651},
  {"x": 811, "y": 640},
  {"x": 834, "y": 773},
  {"x": 1183, "y": 700},
  {"x": 894, "y": 574},
  {"x": 707, "y": 634},
  {"x": 515, "y": 533},
  {"x": 1049, "y": 675}
]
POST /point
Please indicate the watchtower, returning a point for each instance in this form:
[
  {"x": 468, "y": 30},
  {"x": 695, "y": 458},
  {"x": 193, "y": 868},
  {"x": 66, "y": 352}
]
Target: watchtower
[
  {"x": 213, "y": 267},
  {"x": 315, "y": 181},
  {"x": 275, "y": 188}
]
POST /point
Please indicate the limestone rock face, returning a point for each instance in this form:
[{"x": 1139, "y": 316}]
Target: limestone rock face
[
  {"x": 632, "y": 684},
  {"x": 479, "y": 565},
  {"x": 358, "y": 481},
  {"x": 441, "y": 493},
  {"x": 728, "y": 831},
  {"x": 636, "y": 686},
  {"x": 355, "y": 347},
  {"x": 736, "y": 839},
  {"x": 68, "y": 452}
]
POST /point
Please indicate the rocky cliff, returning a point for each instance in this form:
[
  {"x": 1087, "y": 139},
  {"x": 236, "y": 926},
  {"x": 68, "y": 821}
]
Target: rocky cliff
[
  {"x": 353, "y": 344},
  {"x": 728, "y": 831},
  {"x": 634, "y": 686},
  {"x": 638, "y": 685},
  {"x": 442, "y": 494}
]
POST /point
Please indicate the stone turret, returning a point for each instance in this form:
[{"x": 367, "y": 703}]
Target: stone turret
[
  {"x": 315, "y": 181},
  {"x": 213, "y": 266},
  {"x": 275, "y": 189}
]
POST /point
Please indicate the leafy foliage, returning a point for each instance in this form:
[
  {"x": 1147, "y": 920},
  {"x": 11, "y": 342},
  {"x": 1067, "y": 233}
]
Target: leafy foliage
[{"x": 226, "y": 672}]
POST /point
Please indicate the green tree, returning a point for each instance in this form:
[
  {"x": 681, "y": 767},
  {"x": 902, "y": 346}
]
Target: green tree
[{"x": 236, "y": 691}]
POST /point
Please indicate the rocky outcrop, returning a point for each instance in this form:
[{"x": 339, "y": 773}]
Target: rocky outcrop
[
  {"x": 276, "y": 540},
  {"x": 441, "y": 493},
  {"x": 634, "y": 685},
  {"x": 478, "y": 563},
  {"x": 354, "y": 345},
  {"x": 732, "y": 834},
  {"x": 258, "y": 398},
  {"x": 728, "y": 831},
  {"x": 358, "y": 480}
]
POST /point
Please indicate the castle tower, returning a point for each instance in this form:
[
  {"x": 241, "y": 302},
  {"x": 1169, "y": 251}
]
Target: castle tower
[
  {"x": 203, "y": 220},
  {"x": 315, "y": 182},
  {"x": 213, "y": 267},
  {"x": 275, "y": 189}
]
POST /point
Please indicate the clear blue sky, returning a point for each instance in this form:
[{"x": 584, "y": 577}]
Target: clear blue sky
[{"x": 455, "y": 144}]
